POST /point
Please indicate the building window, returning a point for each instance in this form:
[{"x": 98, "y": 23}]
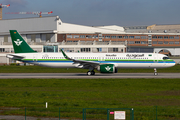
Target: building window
[
  {"x": 82, "y": 36},
  {"x": 176, "y": 37},
  {"x": 113, "y": 37},
  {"x": 125, "y": 37},
  {"x": 137, "y": 37},
  {"x": 154, "y": 42},
  {"x": 33, "y": 38},
  {"x": 50, "y": 48},
  {"x": 149, "y": 37},
  {"x": 88, "y": 36},
  {"x": 2, "y": 49},
  {"x": 76, "y": 36},
  {"x": 149, "y": 42},
  {"x": 137, "y": 42},
  {"x": 160, "y": 37},
  {"x": 95, "y": 36},
  {"x": 131, "y": 42},
  {"x": 107, "y": 37},
  {"x": 143, "y": 42},
  {"x": 85, "y": 49},
  {"x": 165, "y": 37},
  {"x": 171, "y": 37},
  {"x": 131, "y": 37},
  {"x": 176, "y": 42},
  {"x": 143, "y": 37},
  {"x": 171, "y": 42},
  {"x": 115, "y": 49},
  {"x": 99, "y": 49},
  {"x": 69, "y": 36},
  {"x": 160, "y": 42},
  {"x": 5, "y": 38},
  {"x": 119, "y": 37},
  {"x": 154, "y": 37},
  {"x": 165, "y": 42}
]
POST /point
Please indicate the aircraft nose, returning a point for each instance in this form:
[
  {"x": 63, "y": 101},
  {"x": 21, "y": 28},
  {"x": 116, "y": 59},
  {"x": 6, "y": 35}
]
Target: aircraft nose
[{"x": 173, "y": 63}]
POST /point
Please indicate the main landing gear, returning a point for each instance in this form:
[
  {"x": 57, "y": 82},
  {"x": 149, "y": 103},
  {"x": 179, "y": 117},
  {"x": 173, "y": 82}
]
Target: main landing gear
[
  {"x": 91, "y": 72},
  {"x": 155, "y": 72}
]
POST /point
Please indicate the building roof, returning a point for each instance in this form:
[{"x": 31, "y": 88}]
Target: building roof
[
  {"x": 166, "y": 27},
  {"x": 112, "y": 27},
  {"x": 153, "y": 29},
  {"x": 30, "y": 25},
  {"x": 73, "y": 28},
  {"x": 52, "y": 24}
]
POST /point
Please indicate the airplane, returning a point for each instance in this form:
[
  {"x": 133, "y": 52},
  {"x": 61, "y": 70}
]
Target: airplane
[{"x": 103, "y": 62}]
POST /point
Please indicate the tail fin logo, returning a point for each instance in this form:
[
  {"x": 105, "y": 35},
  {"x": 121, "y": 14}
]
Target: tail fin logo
[{"x": 18, "y": 42}]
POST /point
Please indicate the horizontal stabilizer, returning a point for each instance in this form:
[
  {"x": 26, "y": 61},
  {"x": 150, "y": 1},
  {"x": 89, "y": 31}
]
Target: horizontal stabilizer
[{"x": 13, "y": 56}]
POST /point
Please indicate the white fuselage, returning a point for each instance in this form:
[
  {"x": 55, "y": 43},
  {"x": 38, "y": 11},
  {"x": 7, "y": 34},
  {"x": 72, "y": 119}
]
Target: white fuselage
[{"x": 120, "y": 60}]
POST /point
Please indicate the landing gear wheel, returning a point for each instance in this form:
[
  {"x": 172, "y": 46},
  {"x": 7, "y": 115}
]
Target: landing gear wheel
[
  {"x": 155, "y": 73},
  {"x": 89, "y": 73},
  {"x": 92, "y": 73}
]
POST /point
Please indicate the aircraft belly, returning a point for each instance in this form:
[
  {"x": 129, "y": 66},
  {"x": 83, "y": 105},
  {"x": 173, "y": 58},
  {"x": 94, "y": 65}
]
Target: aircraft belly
[
  {"x": 145, "y": 65},
  {"x": 56, "y": 65},
  {"x": 134, "y": 65},
  {"x": 162, "y": 65}
]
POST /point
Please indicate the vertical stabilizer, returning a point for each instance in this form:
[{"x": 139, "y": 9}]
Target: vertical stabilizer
[{"x": 19, "y": 44}]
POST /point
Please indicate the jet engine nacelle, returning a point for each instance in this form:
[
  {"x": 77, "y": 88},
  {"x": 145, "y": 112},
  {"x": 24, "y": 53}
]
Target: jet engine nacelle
[
  {"x": 78, "y": 65},
  {"x": 107, "y": 68}
]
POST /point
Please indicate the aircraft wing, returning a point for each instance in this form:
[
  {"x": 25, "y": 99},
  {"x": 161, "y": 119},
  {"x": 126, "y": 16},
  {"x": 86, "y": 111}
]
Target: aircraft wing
[
  {"x": 14, "y": 56},
  {"x": 85, "y": 64}
]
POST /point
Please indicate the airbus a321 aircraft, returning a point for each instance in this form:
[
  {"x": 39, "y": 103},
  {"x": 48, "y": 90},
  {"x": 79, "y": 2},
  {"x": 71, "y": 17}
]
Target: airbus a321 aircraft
[{"x": 103, "y": 62}]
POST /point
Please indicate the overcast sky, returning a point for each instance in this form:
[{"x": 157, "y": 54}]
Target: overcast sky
[{"x": 100, "y": 12}]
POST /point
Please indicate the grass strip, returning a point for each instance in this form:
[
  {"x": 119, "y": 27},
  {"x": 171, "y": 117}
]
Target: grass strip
[{"x": 69, "y": 94}]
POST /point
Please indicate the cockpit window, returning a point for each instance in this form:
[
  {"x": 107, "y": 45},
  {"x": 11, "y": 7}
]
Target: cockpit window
[{"x": 165, "y": 58}]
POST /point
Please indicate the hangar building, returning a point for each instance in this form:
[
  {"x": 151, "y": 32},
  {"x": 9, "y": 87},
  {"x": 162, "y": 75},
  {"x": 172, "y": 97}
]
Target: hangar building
[{"x": 50, "y": 34}]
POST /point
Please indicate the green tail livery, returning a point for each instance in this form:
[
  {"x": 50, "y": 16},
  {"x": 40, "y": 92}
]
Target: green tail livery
[{"x": 19, "y": 44}]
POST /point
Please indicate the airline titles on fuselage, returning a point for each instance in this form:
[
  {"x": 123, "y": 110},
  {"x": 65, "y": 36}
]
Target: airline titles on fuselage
[
  {"x": 111, "y": 55},
  {"x": 135, "y": 55}
]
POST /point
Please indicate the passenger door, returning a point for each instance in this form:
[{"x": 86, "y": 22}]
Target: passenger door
[
  {"x": 100, "y": 58},
  {"x": 35, "y": 57},
  {"x": 155, "y": 58}
]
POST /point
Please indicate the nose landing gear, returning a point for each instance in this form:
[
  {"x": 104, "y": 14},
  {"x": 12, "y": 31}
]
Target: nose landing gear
[{"x": 155, "y": 72}]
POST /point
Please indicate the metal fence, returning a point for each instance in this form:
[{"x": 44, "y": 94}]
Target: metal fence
[
  {"x": 150, "y": 113},
  {"x": 104, "y": 113}
]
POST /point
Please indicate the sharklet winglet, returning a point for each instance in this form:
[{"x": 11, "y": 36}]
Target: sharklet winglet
[{"x": 64, "y": 54}]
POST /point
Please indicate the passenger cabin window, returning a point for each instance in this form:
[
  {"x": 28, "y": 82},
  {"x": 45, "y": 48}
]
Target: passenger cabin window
[{"x": 165, "y": 58}]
